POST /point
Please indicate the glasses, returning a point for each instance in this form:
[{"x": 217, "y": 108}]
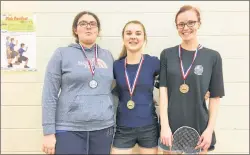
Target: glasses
[
  {"x": 91, "y": 24},
  {"x": 189, "y": 24}
]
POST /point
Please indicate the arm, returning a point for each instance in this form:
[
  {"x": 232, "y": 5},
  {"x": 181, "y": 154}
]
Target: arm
[
  {"x": 216, "y": 88},
  {"x": 157, "y": 76},
  {"x": 115, "y": 89},
  {"x": 26, "y": 49},
  {"x": 166, "y": 134},
  {"x": 15, "y": 44},
  {"x": 213, "y": 111},
  {"x": 52, "y": 84},
  {"x": 164, "y": 107},
  {"x": 206, "y": 137},
  {"x": 163, "y": 91}
]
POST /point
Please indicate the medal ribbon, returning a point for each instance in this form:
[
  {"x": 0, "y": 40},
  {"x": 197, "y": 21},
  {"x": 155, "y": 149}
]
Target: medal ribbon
[
  {"x": 131, "y": 91},
  {"x": 184, "y": 75},
  {"x": 91, "y": 66}
]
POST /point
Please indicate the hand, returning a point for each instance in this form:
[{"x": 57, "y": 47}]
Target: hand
[
  {"x": 154, "y": 101},
  {"x": 166, "y": 136},
  {"x": 207, "y": 95},
  {"x": 49, "y": 143},
  {"x": 205, "y": 140}
]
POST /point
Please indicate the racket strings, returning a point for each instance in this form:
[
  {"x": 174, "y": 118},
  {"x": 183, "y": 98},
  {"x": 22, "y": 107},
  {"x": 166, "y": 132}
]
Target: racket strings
[{"x": 185, "y": 140}]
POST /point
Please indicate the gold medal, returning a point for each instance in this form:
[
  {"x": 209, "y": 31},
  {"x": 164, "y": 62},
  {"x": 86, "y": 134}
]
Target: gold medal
[
  {"x": 184, "y": 88},
  {"x": 130, "y": 104}
]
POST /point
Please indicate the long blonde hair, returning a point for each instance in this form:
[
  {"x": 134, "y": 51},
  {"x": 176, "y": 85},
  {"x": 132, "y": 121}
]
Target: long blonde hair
[{"x": 124, "y": 50}]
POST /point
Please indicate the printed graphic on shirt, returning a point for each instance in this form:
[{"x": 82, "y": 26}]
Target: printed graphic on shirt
[
  {"x": 198, "y": 70},
  {"x": 100, "y": 63}
]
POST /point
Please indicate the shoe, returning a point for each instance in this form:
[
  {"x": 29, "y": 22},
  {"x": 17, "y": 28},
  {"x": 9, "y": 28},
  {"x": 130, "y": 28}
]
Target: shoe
[
  {"x": 10, "y": 65},
  {"x": 17, "y": 63}
]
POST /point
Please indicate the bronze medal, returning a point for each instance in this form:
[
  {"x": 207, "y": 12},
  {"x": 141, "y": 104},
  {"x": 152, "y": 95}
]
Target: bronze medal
[
  {"x": 184, "y": 88},
  {"x": 130, "y": 104}
]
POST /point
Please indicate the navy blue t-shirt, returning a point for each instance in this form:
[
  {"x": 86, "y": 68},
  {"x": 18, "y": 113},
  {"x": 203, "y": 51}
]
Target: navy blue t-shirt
[{"x": 144, "y": 111}]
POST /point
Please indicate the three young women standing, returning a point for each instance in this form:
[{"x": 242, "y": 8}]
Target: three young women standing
[{"x": 78, "y": 114}]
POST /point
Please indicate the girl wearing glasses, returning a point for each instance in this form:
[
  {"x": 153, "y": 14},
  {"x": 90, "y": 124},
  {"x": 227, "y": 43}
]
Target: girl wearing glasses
[
  {"x": 187, "y": 72},
  {"x": 77, "y": 104}
]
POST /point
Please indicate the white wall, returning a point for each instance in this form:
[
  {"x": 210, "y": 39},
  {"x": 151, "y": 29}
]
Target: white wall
[{"x": 225, "y": 28}]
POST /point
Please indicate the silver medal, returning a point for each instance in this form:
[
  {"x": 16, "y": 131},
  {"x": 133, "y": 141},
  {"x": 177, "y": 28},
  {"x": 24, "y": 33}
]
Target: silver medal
[{"x": 93, "y": 84}]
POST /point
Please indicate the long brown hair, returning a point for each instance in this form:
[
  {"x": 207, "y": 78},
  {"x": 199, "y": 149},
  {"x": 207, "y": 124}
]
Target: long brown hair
[
  {"x": 124, "y": 50},
  {"x": 75, "y": 22}
]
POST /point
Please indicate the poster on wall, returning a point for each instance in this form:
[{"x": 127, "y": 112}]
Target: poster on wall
[{"x": 18, "y": 42}]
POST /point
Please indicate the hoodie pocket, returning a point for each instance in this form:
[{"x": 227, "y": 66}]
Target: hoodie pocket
[{"x": 91, "y": 108}]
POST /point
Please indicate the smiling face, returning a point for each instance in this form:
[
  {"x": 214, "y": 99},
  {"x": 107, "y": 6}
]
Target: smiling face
[
  {"x": 134, "y": 37},
  {"x": 187, "y": 24}
]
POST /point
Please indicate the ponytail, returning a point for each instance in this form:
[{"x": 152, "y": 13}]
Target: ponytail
[{"x": 123, "y": 53}]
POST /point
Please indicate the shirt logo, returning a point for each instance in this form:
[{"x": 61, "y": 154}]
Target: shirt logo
[
  {"x": 100, "y": 63},
  {"x": 198, "y": 70}
]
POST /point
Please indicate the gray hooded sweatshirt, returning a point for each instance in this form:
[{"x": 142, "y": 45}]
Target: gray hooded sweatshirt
[{"x": 68, "y": 103}]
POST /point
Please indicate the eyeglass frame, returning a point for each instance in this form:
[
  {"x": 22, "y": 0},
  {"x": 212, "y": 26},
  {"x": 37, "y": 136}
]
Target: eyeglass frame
[
  {"x": 88, "y": 24},
  {"x": 194, "y": 22}
]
